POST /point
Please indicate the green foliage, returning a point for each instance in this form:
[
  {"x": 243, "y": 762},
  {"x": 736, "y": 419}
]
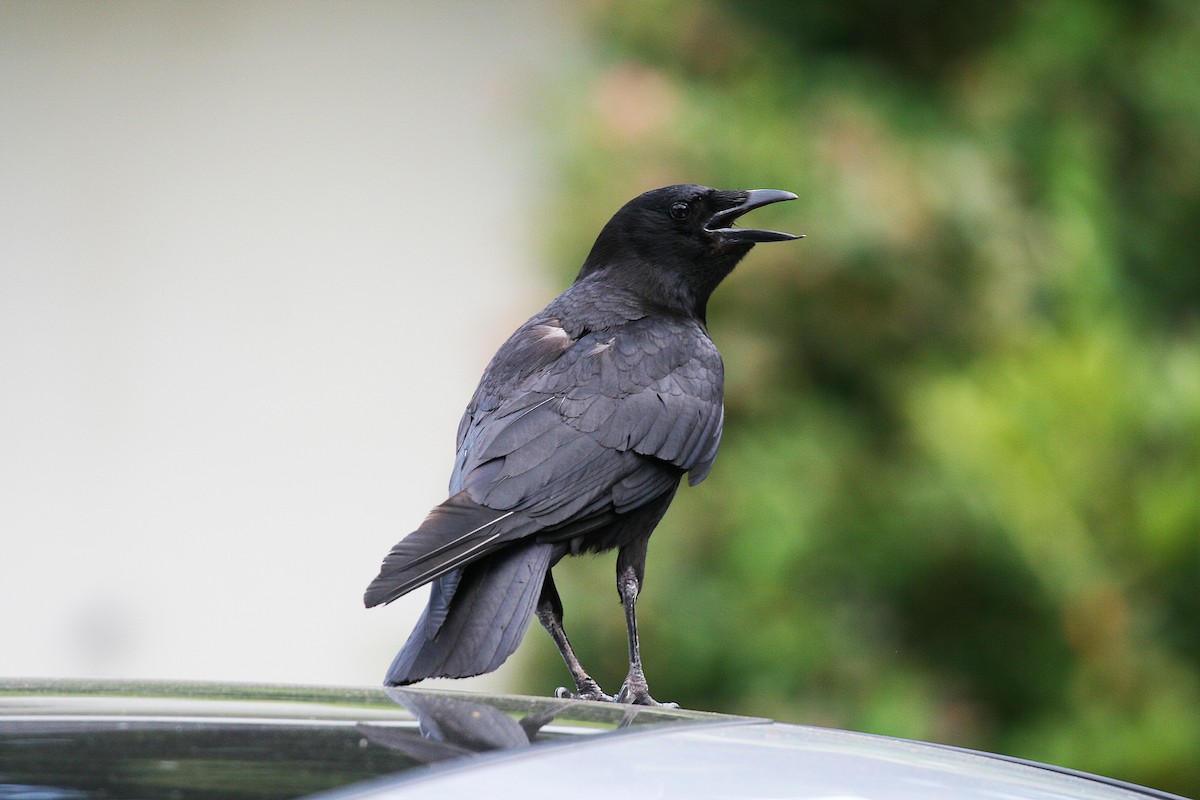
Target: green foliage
[{"x": 958, "y": 496}]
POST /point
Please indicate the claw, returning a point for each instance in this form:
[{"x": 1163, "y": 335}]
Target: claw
[
  {"x": 593, "y": 692},
  {"x": 639, "y": 695}
]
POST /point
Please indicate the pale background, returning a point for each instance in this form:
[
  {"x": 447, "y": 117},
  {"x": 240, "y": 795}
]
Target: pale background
[{"x": 253, "y": 257}]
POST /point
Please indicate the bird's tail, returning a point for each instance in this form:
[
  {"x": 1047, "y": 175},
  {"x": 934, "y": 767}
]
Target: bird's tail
[
  {"x": 455, "y": 533},
  {"x": 476, "y": 616}
]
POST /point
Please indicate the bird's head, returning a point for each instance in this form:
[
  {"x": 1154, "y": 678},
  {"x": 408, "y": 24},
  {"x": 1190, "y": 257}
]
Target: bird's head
[{"x": 677, "y": 243}]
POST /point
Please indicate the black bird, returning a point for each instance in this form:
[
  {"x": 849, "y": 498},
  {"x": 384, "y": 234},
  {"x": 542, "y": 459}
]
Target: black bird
[{"x": 576, "y": 439}]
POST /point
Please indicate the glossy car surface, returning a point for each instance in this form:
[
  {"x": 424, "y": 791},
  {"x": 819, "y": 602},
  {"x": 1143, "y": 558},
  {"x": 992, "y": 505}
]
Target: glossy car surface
[{"x": 64, "y": 740}]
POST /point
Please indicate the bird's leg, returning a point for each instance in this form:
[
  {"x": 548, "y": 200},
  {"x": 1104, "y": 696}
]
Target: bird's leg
[
  {"x": 550, "y": 614},
  {"x": 631, "y": 570}
]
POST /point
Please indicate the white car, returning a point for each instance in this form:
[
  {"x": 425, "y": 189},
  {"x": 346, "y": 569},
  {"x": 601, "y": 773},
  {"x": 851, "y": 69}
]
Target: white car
[{"x": 74, "y": 740}]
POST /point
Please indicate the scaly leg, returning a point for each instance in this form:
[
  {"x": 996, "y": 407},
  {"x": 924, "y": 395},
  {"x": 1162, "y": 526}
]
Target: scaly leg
[
  {"x": 550, "y": 614},
  {"x": 631, "y": 571}
]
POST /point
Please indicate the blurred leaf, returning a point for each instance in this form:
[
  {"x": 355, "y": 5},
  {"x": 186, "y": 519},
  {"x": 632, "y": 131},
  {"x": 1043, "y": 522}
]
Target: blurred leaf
[{"x": 958, "y": 496}]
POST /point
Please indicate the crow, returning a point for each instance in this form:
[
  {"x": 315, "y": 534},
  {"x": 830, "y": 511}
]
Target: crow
[{"x": 576, "y": 439}]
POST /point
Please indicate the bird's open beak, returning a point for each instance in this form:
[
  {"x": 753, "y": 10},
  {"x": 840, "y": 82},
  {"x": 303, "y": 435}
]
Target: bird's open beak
[{"x": 721, "y": 223}]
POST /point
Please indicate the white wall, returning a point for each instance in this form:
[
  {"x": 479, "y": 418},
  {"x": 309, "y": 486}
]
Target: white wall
[{"x": 253, "y": 257}]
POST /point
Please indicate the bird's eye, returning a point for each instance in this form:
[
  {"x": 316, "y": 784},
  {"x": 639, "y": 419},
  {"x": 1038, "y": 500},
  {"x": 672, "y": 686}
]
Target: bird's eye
[{"x": 680, "y": 210}]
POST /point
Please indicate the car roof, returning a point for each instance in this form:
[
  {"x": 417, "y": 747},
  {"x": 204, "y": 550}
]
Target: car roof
[{"x": 82, "y": 739}]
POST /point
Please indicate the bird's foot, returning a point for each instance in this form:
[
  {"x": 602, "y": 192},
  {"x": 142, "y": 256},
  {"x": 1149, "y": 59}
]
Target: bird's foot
[
  {"x": 638, "y": 693},
  {"x": 586, "y": 690}
]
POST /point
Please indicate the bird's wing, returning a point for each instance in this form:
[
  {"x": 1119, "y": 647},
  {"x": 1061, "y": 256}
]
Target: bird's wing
[
  {"x": 653, "y": 387},
  {"x": 608, "y": 424},
  {"x": 456, "y": 532},
  {"x": 564, "y": 434}
]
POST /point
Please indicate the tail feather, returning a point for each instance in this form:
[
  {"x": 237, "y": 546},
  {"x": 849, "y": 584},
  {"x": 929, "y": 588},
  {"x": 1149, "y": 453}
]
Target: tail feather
[
  {"x": 455, "y": 533},
  {"x": 490, "y": 605}
]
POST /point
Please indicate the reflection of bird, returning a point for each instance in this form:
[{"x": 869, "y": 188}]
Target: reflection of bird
[
  {"x": 452, "y": 728},
  {"x": 576, "y": 439}
]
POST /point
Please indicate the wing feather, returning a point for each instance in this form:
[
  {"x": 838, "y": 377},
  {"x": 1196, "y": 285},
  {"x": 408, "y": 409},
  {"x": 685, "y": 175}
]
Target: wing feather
[
  {"x": 650, "y": 387},
  {"x": 455, "y": 533},
  {"x": 566, "y": 430}
]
